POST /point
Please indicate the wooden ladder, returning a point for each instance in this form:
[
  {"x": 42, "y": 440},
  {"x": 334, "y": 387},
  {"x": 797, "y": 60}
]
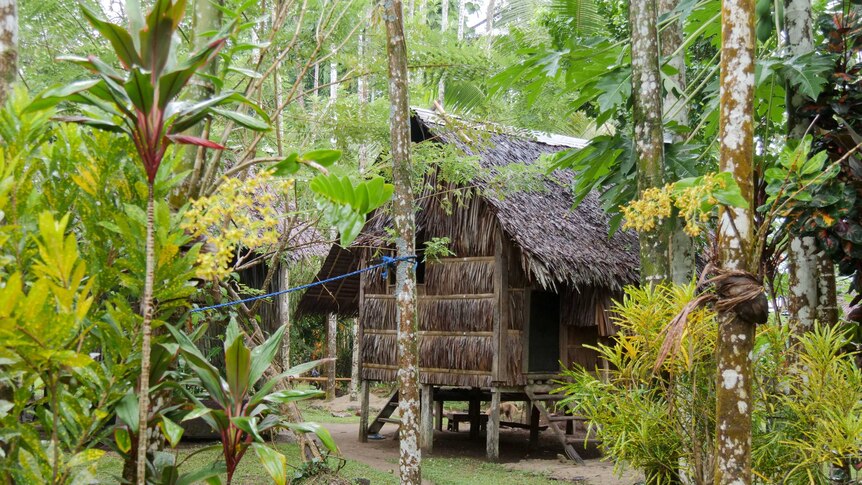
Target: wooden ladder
[
  {"x": 383, "y": 416},
  {"x": 542, "y": 399}
]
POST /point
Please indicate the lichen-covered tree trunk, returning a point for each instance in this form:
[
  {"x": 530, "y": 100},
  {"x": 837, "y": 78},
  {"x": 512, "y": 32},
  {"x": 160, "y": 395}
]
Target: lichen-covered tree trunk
[
  {"x": 405, "y": 243},
  {"x": 812, "y": 273},
  {"x": 8, "y": 46},
  {"x": 146, "y": 346},
  {"x": 735, "y": 243},
  {"x": 675, "y": 109},
  {"x": 648, "y": 138}
]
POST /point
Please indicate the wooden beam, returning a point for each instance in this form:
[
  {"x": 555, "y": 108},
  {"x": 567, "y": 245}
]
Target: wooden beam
[
  {"x": 501, "y": 308},
  {"x": 534, "y": 426},
  {"x": 462, "y": 296},
  {"x": 426, "y": 418},
  {"x": 474, "y": 412},
  {"x": 363, "y": 411},
  {"x": 438, "y": 415},
  {"x": 492, "y": 430}
]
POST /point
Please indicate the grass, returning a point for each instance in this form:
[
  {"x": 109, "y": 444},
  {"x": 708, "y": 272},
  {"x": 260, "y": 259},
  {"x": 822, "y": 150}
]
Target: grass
[
  {"x": 470, "y": 471},
  {"x": 311, "y": 412},
  {"x": 249, "y": 471}
]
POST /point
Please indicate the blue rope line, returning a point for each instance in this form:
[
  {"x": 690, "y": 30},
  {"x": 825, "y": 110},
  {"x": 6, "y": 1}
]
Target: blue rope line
[{"x": 386, "y": 262}]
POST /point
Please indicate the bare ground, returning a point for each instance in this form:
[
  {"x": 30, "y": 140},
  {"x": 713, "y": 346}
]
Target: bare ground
[{"x": 515, "y": 453}]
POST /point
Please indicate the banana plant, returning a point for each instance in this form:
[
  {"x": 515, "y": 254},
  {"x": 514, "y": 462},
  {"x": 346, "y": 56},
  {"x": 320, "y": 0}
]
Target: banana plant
[
  {"x": 245, "y": 408},
  {"x": 141, "y": 100}
]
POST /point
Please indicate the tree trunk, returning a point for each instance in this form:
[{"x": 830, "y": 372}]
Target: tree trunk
[
  {"x": 8, "y": 46},
  {"x": 802, "y": 294},
  {"x": 735, "y": 243},
  {"x": 146, "y": 332},
  {"x": 405, "y": 243},
  {"x": 206, "y": 19},
  {"x": 462, "y": 14},
  {"x": 444, "y": 26},
  {"x": 648, "y": 138},
  {"x": 284, "y": 313},
  {"x": 331, "y": 353},
  {"x": 812, "y": 274},
  {"x": 681, "y": 245}
]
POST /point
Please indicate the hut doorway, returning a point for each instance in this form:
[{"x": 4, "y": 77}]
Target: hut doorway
[{"x": 544, "y": 332}]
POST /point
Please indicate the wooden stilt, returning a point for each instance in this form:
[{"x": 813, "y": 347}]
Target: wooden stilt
[
  {"x": 438, "y": 415},
  {"x": 534, "y": 427},
  {"x": 475, "y": 421},
  {"x": 492, "y": 431},
  {"x": 363, "y": 411},
  {"x": 426, "y": 418}
]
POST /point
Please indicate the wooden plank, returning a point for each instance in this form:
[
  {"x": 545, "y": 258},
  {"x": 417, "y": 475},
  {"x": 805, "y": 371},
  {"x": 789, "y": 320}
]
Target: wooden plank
[
  {"x": 438, "y": 415},
  {"x": 501, "y": 308},
  {"x": 383, "y": 416},
  {"x": 426, "y": 418},
  {"x": 492, "y": 430},
  {"x": 525, "y": 355},
  {"x": 363, "y": 411}
]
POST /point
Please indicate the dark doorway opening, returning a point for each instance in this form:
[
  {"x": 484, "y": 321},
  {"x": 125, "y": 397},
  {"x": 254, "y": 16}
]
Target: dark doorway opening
[{"x": 544, "y": 351}]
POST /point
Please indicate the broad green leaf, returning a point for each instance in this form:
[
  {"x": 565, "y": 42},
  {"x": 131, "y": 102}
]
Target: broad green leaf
[
  {"x": 122, "y": 439},
  {"x": 249, "y": 425},
  {"x": 322, "y": 157},
  {"x": 288, "y": 166},
  {"x": 196, "y": 413},
  {"x": 119, "y": 38},
  {"x": 237, "y": 367},
  {"x": 210, "y": 474},
  {"x": 291, "y": 395},
  {"x": 263, "y": 355},
  {"x": 172, "y": 431},
  {"x": 243, "y": 120},
  {"x": 318, "y": 430},
  {"x": 127, "y": 410},
  {"x": 273, "y": 462}
]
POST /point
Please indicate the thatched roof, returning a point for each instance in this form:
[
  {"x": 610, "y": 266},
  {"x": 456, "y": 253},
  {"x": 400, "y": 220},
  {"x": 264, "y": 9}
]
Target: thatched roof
[{"x": 560, "y": 247}]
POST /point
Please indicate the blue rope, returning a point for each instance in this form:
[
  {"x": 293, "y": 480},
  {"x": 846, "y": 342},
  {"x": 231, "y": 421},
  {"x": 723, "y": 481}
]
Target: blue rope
[{"x": 386, "y": 262}]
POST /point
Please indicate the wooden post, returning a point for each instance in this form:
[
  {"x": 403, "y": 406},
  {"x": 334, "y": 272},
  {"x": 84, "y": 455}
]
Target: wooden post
[
  {"x": 534, "y": 427},
  {"x": 501, "y": 308},
  {"x": 331, "y": 352},
  {"x": 473, "y": 412},
  {"x": 492, "y": 435},
  {"x": 426, "y": 418},
  {"x": 438, "y": 415},
  {"x": 363, "y": 411}
]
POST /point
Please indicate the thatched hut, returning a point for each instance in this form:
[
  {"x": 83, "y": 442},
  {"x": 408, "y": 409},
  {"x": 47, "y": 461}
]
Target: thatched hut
[{"x": 529, "y": 287}]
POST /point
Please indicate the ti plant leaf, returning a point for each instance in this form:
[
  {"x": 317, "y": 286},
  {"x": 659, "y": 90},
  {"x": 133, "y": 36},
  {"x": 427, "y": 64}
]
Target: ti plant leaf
[{"x": 273, "y": 462}]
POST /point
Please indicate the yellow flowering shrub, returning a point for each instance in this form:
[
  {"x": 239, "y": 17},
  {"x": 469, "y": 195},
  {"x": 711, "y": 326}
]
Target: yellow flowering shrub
[
  {"x": 241, "y": 213},
  {"x": 695, "y": 198}
]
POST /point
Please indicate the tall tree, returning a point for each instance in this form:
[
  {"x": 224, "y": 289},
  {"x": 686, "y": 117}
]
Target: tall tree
[
  {"x": 735, "y": 245},
  {"x": 405, "y": 243},
  {"x": 8, "y": 45},
  {"x": 648, "y": 137},
  {"x": 680, "y": 245},
  {"x": 811, "y": 294}
]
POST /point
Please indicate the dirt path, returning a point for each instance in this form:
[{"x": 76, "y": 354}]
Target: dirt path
[{"x": 515, "y": 454}]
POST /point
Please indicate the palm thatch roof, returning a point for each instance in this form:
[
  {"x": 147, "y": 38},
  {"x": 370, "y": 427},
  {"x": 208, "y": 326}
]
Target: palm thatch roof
[{"x": 559, "y": 246}]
